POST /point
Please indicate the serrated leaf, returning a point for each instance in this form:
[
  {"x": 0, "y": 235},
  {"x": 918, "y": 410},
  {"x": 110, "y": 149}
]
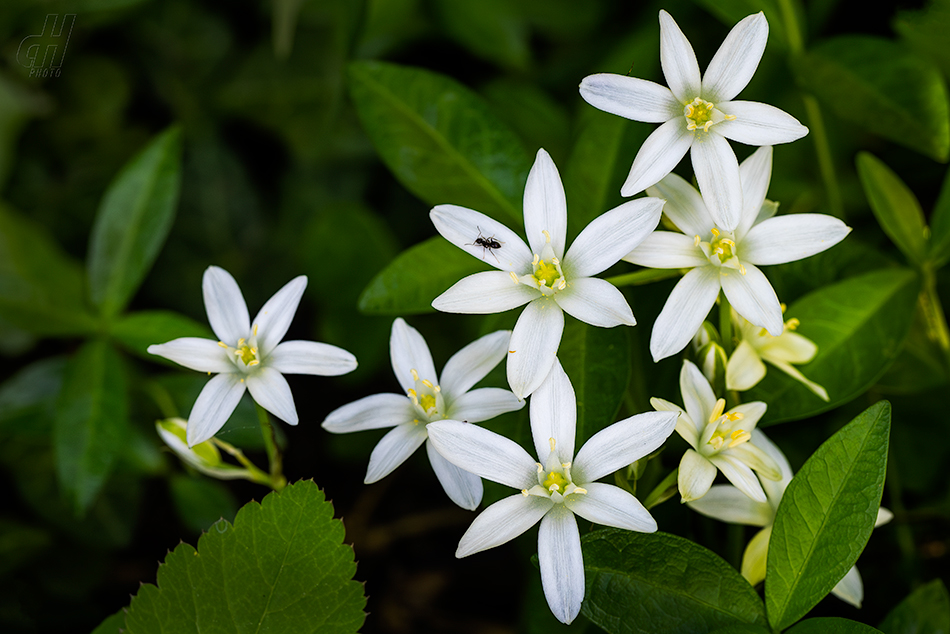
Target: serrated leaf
[
  {"x": 281, "y": 567},
  {"x": 646, "y": 583},
  {"x": 926, "y": 610},
  {"x": 826, "y": 516},
  {"x": 134, "y": 218},
  {"x": 831, "y": 625},
  {"x": 114, "y": 624},
  {"x": 137, "y": 331}
]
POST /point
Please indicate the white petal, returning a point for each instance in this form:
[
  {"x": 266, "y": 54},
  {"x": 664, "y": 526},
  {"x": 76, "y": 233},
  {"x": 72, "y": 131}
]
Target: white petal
[
  {"x": 562, "y": 563},
  {"x": 484, "y": 293},
  {"x": 754, "y": 557},
  {"x": 793, "y": 372},
  {"x": 658, "y": 155},
  {"x": 678, "y": 61},
  {"x": 310, "y": 357},
  {"x": 726, "y": 503},
  {"x": 533, "y": 345},
  {"x": 774, "y": 489},
  {"x": 850, "y": 589},
  {"x": 370, "y": 412},
  {"x": 751, "y": 413},
  {"x": 211, "y": 411},
  {"x": 684, "y": 424},
  {"x": 608, "y": 505},
  {"x": 883, "y": 517},
  {"x": 698, "y": 396},
  {"x": 545, "y": 207},
  {"x": 462, "y": 487},
  {"x": 275, "y": 316},
  {"x": 483, "y": 404},
  {"x": 463, "y": 228},
  {"x": 696, "y": 475},
  {"x": 717, "y": 172},
  {"x": 735, "y": 62},
  {"x": 484, "y": 453},
  {"x": 745, "y": 368},
  {"x": 753, "y": 297},
  {"x": 472, "y": 363},
  {"x": 631, "y": 98},
  {"x": 621, "y": 444},
  {"x": 596, "y": 302},
  {"x": 611, "y": 236},
  {"x": 503, "y": 521},
  {"x": 755, "y": 459},
  {"x": 684, "y": 311},
  {"x": 790, "y": 347},
  {"x": 554, "y": 415},
  {"x": 740, "y": 475},
  {"x": 758, "y": 124},
  {"x": 756, "y": 173},
  {"x": 408, "y": 351},
  {"x": 270, "y": 390},
  {"x": 394, "y": 449},
  {"x": 684, "y": 206},
  {"x": 794, "y": 237},
  {"x": 226, "y": 308},
  {"x": 667, "y": 250},
  {"x": 195, "y": 353}
]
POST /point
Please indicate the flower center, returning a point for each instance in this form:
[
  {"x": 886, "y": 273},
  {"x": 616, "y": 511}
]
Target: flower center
[
  {"x": 554, "y": 479},
  {"x": 722, "y": 430},
  {"x": 720, "y": 250},
  {"x": 427, "y": 400},
  {"x": 701, "y": 114},
  {"x": 546, "y": 274},
  {"x": 245, "y": 354}
]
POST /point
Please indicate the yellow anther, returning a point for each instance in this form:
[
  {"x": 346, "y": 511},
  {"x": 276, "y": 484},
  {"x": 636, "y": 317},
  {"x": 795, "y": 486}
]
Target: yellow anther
[
  {"x": 537, "y": 258},
  {"x": 415, "y": 375},
  {"x": 240, "y": 342},
  {"x": 547, "y": 236},
  {"x": 715, "y": 232},
  {"x": 552, "y": 442},
  {"x": 511, "y": 351},
  {"x": 792, "y": 323},
  {"x": 555, "y": 261},
  {"x": 427, "y": 383},
  {"x": 255, "y": 330},
  {"x": 783, "y": 306},
  {"x": 716, "y": 442},
  {"x": 514, "y": 278},
  {"x": 222, "y": 344},
  {"x": 741, "y": 269},
  {"x": 242, "y": 380},
  {"x": 540, "y": 467},
  {"x": 524, "y": 492},
  {"x": 729, "y": 117},
  {"x": 562, "y": 284},
  {"x": 565, "y": 465},
  {"x": 412, "y": 393},
  {"x": 735, "y": 416},
  {"x": 580, "y": 490},
  {"x": 718, "y": 408},
  {"x": 739, "y": 438},
  {"x": 253, "y": 362},
  {"x": 697, "y": 240}
]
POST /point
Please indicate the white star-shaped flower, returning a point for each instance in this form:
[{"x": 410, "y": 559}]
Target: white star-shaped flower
[
  {"x": 556, "y": 488},
  {"x": 727, "y": 259},
  {"x": 542, "y": 275},
  {"x": 248, "y": 354},
  {"x": 698, "y": 115},
  {"x": 430, "y": 398}
]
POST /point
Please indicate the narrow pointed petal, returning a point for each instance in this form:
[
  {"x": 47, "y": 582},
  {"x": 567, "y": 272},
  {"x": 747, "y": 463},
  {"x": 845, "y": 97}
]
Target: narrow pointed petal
[
  {"x": 696, "y": 475},
  {"x": 630, "y": 97},
  {"x": 503, "y": 521},
  {"x": 195, "y": 353},
  {"x": 698, "y": 397},
  {"x": 554, "y": 415},
  {"x": 678, "y": 61},
  {"x": 745, "y": 368},
  {"x": 793, "y": 372},
  {"x": 394, "y": 449},
  {"x": 484, "y": 294},
  {"x": 608, "y": 505},
  {"x": 684, "y": 424},
  {"x": 484, "y": 453},
  {"x": 740, "y": 475},
  {"x": 658, "y": 155},
  {"x": 214, "y": 406},
  {"x": 791, "y": 347},
  {"x": 717, "y": 172},
  {"x": 472, "y": 363},
  {"x": 756, "y": 173},
  {"x": 726, "y": 503},
  {"x": 883, "y": 517},
  {"x": 788, "y": 238},
  {"x": 751, "y": 413},
  {"x": 463, "y": 227},
  {"x": 622, "y": 443},
  {"x": 311, "y": 357},
  {"x": 408, "y": 351},
  {"x": 753, "y": 297},
  {"x": 753, "y": 559},
  {"x": 684, "y": 206},
  {"x": 533, "y": 345},
  {"x": 370, "y": 412},
  {"x": 774, "y": 489},
  {"x": 850, "y": 589},
  {"x": 611, "y": 236},
  {"x": 596, "y": 302},
  {"x": 227, "y": 310},
  {"x": 562, "y": 563},
  {"x": 758, "y": 124},
  {"x": 270, "y": 390},
  {"x": 483, "y": 404},
  {"x": 735, "y": 62},
  {"x": 756, "y": 459},
  {"x": 274, "y": 318},
  {"x": 545, "y": 207},
  {"x": 667, "y": 250},
  {"x": 684, "y": 311},
  {"x": 462, "y": 487}
]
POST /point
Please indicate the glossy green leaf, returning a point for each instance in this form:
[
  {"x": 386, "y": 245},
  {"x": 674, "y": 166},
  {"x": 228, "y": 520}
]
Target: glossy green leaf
[
  {"x": 646, "y": 583},
  {"x": 926, "y": 610},
  {"x": 440, "y": 139},
  {"x": 114, "y": 624},
  {"x": 137, "y": 331},
  {"x": 201, "y": 501},
  {"x": 133, "y": 221},
  {"x": 940, "y": 226},
  {"x": 859, "y": 325},
  {"x": 91, "y": 421},
  {"x": 831, "y": 625},
  {"x": 826, "y": 516},
  {"x": 882, "y": 87},
  {"x": 281, "y": 567}
]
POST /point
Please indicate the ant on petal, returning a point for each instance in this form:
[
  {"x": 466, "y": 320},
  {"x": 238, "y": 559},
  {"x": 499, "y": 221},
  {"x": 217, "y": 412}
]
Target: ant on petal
[{"x": 487, "y": 244}]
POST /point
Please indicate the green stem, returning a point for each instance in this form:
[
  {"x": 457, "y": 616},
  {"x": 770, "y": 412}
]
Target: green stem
[
  {"x": 277, "y": 479},
  {"x": 254, "y": 473},
  {"x": 796, "y": 43},
  {"x": 934, "y": 317},
  {"x": 725, "y": 324},
  {"x": 162, "y": 399},
  {"x": 645, "y": 276},
  {"x": 663, "y": 491}
]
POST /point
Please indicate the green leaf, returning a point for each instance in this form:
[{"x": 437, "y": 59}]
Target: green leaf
[
  {"x": 831, "y": 625},
  {"x": 742, "y": 629},
  {"x": 730, "y": 12},
  {"x": 826, "y": 516},
  {"x": 883, "y": 87},
  {"x": 281, "y": 567},
  {"x": 201, "y": 502},
  {"x": 440, "y": 139},
  {"x": 114, "y": 624},
  {"x": 926, "y": 31},
  {"x": 656, "y": 582},
  {"x": 926, "y": 610},
  {"x": 493, "y": 30},
  {"x": 29, "y": 395},
  {"x": 940, "y": 226},
  {"x": 859, "y": 325},
  {"x": 133, "y": 221},
  {"x": 138, "y": 331},
  {"x": 91, "y": 425},
  {"x": 895, "y": 207}
]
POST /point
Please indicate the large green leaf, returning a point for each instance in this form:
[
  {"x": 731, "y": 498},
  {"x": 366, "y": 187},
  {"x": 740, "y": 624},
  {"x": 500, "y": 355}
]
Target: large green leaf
[
  {"x": 440, "y": 139},
  {"x": 281, "y": 567},
  {"x": 926, "y": 610},
  {"x": 133, "y": 221},
  {"x": 114, "y": 624},
  {"x": 859, "y": 325},
  {"x": 28, "y": 396},
  {"x": 831, "y": 625},
  {"x": 657, "y": 582},
  {"x": 940, "y": 226},
  {"x": 138, "y": 331},
  {"x": 491, "y": 29},
  {"x": 826, "y": 516},
  {"x": 883, "y": 87}
]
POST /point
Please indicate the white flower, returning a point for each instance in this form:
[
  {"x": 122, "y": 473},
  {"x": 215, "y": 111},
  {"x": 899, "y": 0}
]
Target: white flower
[
  {"x": 429, "y": 399},
  {"x": 541, "y": 275},
  {"x": 204, "y": 456},
  {"x": 248, "y": 356},
  {"x": 555, "y": 488},
  {"x": 719, "y": 440},
  {"x": 697, "y": 114},
  {"x": 745, "y": 368},
  {"x": 728, "y": 504},
  {"x": 727, "y": 259}
]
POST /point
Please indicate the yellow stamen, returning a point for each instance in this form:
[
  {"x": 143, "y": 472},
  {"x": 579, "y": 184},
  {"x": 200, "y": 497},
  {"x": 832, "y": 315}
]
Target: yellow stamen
[
  {"x": 580, "y": 490},
  {"x": 514, "y": 278},
  {"x": 547, "y": 236},
  {"x": 222, "y": 344},
  {"x": 552, "y": 442},
  {"x": 792, "y": 323},
  {"x": 697, "y": 240},
  {"x": 554, "y": 482},
  {"x": 415, "y": 375}
]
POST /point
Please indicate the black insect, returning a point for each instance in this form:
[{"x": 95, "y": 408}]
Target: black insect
[{"x": 487, "y": 244}]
